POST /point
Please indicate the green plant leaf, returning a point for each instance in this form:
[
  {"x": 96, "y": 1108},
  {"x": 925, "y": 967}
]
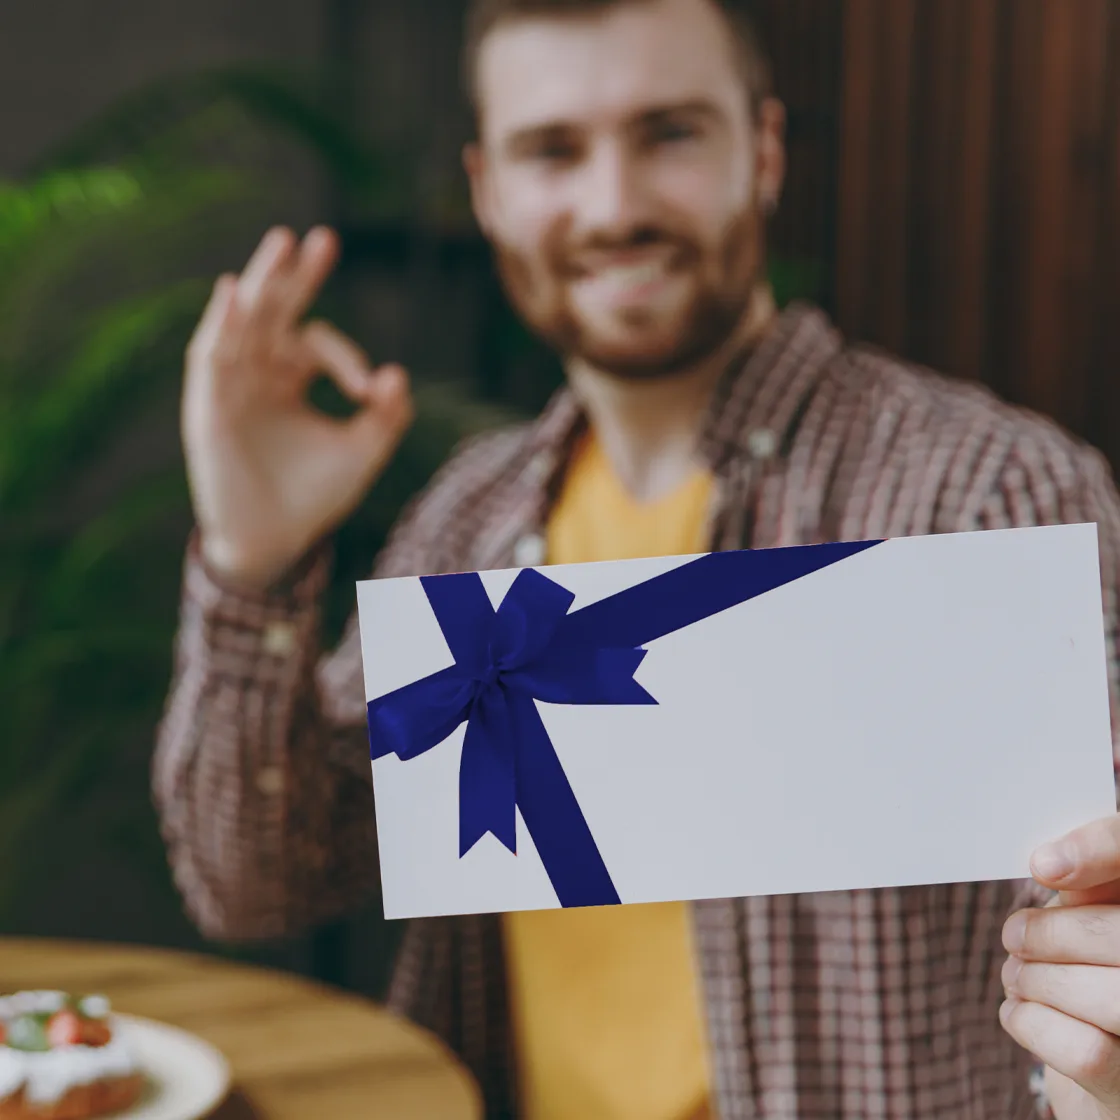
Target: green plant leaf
[
  {"x": 83, "y": 408},
  {"x": 103, "y": 538},
  {"x": 24, "y": 804},
  {"x": 26, "y": 210},
  {"x": 87, "y": 259},
  {"x": 794, "y": 278}
]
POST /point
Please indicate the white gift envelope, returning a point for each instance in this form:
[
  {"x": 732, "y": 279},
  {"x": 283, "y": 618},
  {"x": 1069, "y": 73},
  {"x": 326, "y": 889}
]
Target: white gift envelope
[{"x": 830, "y": 717}]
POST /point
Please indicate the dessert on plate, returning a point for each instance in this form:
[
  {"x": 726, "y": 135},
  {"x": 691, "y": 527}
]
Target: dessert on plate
[{"x": 61, "y": 1058}]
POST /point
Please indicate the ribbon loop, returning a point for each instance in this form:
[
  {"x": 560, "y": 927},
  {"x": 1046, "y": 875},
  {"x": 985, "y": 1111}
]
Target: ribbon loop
[{"x": 528, "y": 618}]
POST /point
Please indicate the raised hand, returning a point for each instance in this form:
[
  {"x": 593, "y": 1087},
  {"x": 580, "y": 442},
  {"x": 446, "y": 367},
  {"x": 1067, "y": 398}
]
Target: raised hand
[{"x": 269, "y": 474}]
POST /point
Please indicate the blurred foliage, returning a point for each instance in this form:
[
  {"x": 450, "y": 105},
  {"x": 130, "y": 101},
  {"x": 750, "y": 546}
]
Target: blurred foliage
[
  {"x": 795, "y": 278},
  {"x": 107, "y": 250},
  {"x": 76, "y": 642}
]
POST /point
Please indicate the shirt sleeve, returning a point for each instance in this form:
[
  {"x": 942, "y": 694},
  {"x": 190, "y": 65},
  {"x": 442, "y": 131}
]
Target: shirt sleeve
[{"x": 266, "y": 834}]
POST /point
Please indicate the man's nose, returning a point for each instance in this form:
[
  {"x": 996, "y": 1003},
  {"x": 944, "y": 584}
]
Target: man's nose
[{"x": 610, "y": 199}]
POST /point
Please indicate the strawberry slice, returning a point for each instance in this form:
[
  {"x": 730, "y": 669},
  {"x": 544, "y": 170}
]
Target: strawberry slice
[
  {"x": 64, "y": 1028},
  {"x": 95, "y": 1032}
]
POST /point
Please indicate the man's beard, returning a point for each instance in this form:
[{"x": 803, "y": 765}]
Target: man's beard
[{"x": 716, "y": 309}]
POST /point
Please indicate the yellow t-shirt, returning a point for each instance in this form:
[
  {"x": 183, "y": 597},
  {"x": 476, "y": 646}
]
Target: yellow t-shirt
[{"x": 606, "y": 1001}]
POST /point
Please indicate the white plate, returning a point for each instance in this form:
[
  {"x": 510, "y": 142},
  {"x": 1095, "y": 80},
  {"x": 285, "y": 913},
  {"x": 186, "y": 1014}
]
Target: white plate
[{"x": 187, "y": 1078}]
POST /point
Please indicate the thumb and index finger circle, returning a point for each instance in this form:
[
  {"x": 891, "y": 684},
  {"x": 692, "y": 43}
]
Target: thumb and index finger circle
[{"x": 383, "y": 391}]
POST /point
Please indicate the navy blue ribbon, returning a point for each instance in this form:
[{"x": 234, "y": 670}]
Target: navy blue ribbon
[{"x": 532, "y": 649}]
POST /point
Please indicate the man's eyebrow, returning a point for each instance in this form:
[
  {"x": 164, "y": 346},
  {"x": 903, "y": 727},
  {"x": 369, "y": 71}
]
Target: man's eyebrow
[
  {"x": 530, "y": 136},
  {"x": 525, "y": 139},
  {"x": 697, "y": 107}
]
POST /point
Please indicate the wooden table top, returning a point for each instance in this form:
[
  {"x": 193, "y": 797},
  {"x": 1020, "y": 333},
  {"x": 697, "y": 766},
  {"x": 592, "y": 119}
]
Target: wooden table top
[{"x": 298, "y": 1050}]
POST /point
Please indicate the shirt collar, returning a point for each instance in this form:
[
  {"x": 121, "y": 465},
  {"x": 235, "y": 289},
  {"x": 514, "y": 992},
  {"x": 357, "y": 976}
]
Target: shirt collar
[{"x": 756, "y": 408}]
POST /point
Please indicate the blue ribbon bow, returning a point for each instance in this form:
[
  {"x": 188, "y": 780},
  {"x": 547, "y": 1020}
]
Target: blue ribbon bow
[{"x": 532, "y": 649}]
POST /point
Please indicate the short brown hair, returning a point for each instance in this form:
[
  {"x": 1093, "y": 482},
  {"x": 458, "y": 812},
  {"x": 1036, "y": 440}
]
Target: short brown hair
[{"x": 483, "y": 16}]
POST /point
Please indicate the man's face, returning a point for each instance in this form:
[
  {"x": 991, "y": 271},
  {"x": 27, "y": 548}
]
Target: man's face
[{"x": 619, "y": 177}]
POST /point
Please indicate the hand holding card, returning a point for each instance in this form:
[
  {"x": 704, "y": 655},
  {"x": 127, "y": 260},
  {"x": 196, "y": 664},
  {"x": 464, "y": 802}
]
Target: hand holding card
[{"x": 1063, "y": 976}]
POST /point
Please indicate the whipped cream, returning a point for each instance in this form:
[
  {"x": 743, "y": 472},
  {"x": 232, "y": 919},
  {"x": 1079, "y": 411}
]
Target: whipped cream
[
  {"x": 47, "y": 1076},
  {"x": 95, "y": 1007},
  {"x": 31, "y": 1003}
]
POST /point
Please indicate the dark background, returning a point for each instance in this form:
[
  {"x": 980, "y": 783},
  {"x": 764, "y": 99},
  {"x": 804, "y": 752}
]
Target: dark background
[{"x": 954, "y": 196}]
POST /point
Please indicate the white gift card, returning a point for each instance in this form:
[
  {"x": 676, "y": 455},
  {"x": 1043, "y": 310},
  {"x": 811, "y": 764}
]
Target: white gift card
[{"x": 887, "y": 713}]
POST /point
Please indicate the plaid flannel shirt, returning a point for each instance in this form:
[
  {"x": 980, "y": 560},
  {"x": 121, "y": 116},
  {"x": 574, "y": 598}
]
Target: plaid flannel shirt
[{"x": 857, "y": 1005}]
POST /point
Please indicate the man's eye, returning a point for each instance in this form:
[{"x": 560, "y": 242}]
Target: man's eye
[
  {"x": 672, "y": 133},
  {"x": 554, "y": 153}
]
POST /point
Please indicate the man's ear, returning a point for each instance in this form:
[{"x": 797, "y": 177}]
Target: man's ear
[
  {"x": 474, "y": 163},
  {"x": 770, "y": 154}
]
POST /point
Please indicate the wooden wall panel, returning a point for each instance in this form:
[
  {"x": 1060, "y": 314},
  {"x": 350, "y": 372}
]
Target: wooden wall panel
[
  {"x": 1103, "y": 404},
  {"x": 979, "y": 203}
]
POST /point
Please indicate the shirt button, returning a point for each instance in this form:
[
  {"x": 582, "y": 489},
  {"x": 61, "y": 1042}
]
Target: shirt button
[
  {"x": 270, "y": 780},
  {"x": 540, "y": 468},
  {"x": 529, "y": 551},
  {"x": 762, "y": 443},
  {"x": 280, "y": 639}
]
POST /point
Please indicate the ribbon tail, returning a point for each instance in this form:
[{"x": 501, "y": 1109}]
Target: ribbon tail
[
  {"x": 578, "y": 676},
  {"x": 487, "y": 781},
  {"x": 553, "y": 816},
  {"x": 419, "y": 716}
]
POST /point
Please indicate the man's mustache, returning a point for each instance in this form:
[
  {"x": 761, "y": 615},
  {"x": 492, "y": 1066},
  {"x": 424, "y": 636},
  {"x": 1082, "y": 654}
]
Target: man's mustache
[{"x": 574, "y": 259}]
